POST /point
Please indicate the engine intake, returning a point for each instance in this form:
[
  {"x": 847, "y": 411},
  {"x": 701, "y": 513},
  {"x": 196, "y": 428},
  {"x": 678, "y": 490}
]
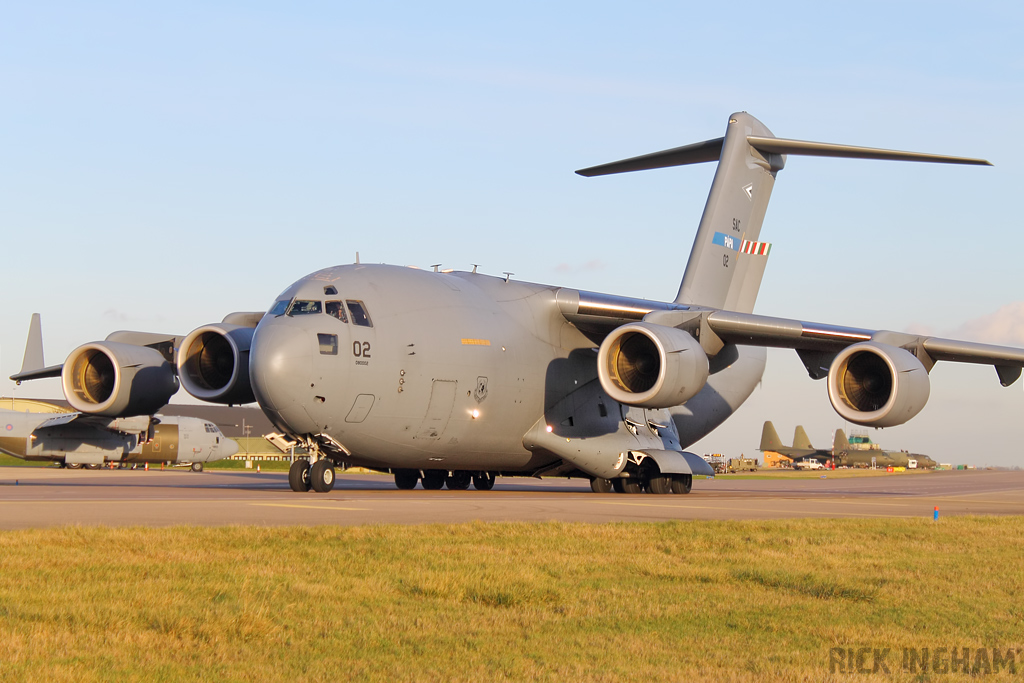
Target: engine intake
[
  {"x": 117, "y": 380},
  {"x": 877, "y": 385},
  {"x": 213, "y": 363},
  {"x": 651, "y": 366}
]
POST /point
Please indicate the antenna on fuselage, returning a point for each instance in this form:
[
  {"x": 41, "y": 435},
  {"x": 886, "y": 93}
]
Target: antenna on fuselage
[{"x": 357, "y": 258}]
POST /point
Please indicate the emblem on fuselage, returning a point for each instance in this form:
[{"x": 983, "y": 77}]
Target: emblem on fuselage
[{"x": 481, "y": 389}]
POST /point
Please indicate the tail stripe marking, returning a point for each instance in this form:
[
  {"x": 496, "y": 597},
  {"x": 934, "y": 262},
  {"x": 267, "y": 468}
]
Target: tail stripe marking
[{"x": 758, "y": 248}]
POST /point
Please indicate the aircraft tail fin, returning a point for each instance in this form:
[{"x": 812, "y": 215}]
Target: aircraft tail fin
[
  {"x": 840, "y": 443},
  {"x": 32, "y": 365},
  {"x": 770, "y": 440},
  {"x": 33, "y": 359},
  {"x": 727, "y": 260},
  {"x": 800, "y": 439}
]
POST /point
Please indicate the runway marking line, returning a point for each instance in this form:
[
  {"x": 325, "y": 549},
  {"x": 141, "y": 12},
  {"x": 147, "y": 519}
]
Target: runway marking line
[
  {"x": 795, "y": 512},
  {"x": 306, "y": 507}
]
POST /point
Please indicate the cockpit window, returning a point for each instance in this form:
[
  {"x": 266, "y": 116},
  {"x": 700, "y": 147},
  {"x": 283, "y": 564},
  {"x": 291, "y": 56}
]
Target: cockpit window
[
  {"x": 305, "y": 307},
  {"x": 330, "y": 290},
  {"x": 210, "y": 429},
  {"x": 359, "y": 314},
  {"x": 337, "y": 309},
  {"x": 279, "y": 307}
]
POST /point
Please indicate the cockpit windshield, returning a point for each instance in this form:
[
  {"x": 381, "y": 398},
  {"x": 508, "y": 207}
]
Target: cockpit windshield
[
  {"x": 279, "y": 307},
  {"x": 300, "y": 307}
]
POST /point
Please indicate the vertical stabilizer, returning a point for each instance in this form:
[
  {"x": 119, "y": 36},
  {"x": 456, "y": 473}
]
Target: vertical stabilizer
[
  {"x": 34, "y": 346},
  {"x": 800, "y": 439},
  {"x": 734, "y": 212},
  {"x": 770, "y": 440},
  {"x": 840, "y": 444}
]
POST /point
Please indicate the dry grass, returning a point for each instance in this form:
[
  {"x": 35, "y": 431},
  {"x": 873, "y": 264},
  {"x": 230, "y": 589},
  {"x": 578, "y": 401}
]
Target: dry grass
[{"x": 643, "y": 602}]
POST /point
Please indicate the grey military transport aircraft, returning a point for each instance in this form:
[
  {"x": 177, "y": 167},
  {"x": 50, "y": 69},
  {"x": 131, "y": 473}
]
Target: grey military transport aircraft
[
  {"x": 451, "y": 378},
  {"x": 35, "y": 430}
]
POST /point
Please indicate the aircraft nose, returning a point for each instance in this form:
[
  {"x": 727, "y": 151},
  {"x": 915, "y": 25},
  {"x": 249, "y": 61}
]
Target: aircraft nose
[
  {"x": 280, "y": 371},
  {"x": 227, "y": 447}
]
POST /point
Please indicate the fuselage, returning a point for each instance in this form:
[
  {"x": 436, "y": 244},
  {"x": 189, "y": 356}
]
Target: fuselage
[{"x": 402, "y": 367}]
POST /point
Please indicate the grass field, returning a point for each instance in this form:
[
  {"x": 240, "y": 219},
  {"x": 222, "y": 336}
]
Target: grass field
[{"x": 559, "y": 602}]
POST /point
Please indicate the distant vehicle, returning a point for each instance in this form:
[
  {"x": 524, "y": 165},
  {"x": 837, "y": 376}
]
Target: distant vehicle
[
  {"x": 807, "y": 464},
  {"x": 742, "y": 465}
]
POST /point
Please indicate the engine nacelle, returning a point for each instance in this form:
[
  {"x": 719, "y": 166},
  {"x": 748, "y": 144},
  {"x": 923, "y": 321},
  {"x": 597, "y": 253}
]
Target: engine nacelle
[
  {"x": 213, "y": 363},
  {"x": 651, "y": 366},
  {"x": 117, "y": 380},
  {"x": 877, "y": 385}
]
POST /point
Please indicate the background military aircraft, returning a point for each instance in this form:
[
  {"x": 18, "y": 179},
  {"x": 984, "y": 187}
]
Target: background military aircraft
[
  {"x": 35, "y": 430},
  {"x": 858, "y": 451},
  {"x": 453, "y": 377},
  {"x": 44, "y": 432},
  {"x": 801, "y": 447}
]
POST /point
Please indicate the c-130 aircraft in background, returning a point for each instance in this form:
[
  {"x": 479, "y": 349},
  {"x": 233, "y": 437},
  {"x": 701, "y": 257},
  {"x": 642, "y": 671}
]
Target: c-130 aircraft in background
[{"x": 448, "y": 378}]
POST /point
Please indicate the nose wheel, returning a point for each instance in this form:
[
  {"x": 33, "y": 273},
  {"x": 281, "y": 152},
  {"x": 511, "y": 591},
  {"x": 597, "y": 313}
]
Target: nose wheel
[
  {"x": 321, "y": 475},
  {"x": 298, "y": 476}
]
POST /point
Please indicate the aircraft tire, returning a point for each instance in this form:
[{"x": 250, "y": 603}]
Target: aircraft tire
[
  {"x": 93, "y": 466},
  {"x": 484, "y": 481},
  {"x": 599, "y": 485},
  {"x": 406, "y": 479},
  {"x": 624, "y": 485},
  {"x": 197, "y": 467},
  {"x": 433, "y": 480},
  {"x": 298, "y": 476},
  {"x": 321, "y": 475},
  {"x": 459, "y": 480},
  {"x": 682, "y": 483},
  {"x": 74, "y": 466},
  {"x": 659, "y": 484}
]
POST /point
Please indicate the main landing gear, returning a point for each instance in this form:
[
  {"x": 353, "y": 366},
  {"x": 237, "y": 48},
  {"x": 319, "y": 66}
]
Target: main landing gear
[
  {"x": 660, "y": 484},
  {"x": 319, "y": 476},
  {"x": 435, "y": 480}
]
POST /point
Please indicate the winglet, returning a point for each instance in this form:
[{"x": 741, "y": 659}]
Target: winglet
[{"x": 32, "y": 366}]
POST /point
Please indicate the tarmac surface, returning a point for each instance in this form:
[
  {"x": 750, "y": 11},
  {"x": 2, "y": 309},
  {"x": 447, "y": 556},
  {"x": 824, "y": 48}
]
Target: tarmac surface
[{"x": 44, "y": 497}]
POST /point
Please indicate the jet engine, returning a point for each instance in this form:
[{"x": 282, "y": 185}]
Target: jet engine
[
  {"x": 651, "y": 366},
  {"x": 117, "y": 380},
  {"x": 213, "y": 363},
  {"x": 877, "y": 385}
]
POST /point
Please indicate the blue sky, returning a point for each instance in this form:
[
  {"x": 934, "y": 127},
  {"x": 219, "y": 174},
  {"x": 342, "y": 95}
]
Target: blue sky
[{"x": 162, "y": 166}]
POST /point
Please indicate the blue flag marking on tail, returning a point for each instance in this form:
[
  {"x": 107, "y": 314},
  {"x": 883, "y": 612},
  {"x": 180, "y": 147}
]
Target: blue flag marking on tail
[{"x": 723, "y": 240}]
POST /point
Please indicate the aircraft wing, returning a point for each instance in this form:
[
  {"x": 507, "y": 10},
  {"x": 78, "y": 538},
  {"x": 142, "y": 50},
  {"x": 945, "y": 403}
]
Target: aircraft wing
[
  {"x": 816, "y": 343},
  {"x": 757, "y": 330}
]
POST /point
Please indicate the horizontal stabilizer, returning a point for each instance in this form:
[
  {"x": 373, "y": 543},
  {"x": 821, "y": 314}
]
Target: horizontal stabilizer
[
  {"x": 41, "y": 373},
  {"x": 698, "y": 153},
  {"x": 826, "y": 149}
]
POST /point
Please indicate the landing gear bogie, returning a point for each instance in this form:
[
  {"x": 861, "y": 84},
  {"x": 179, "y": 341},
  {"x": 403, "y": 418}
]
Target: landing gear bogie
[{"x": 483, "y": 481}]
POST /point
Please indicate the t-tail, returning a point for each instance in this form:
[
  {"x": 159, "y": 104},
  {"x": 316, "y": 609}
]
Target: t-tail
[
  {"x": 770, "y": 440},
  {"x": 727, "y": 261}
]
